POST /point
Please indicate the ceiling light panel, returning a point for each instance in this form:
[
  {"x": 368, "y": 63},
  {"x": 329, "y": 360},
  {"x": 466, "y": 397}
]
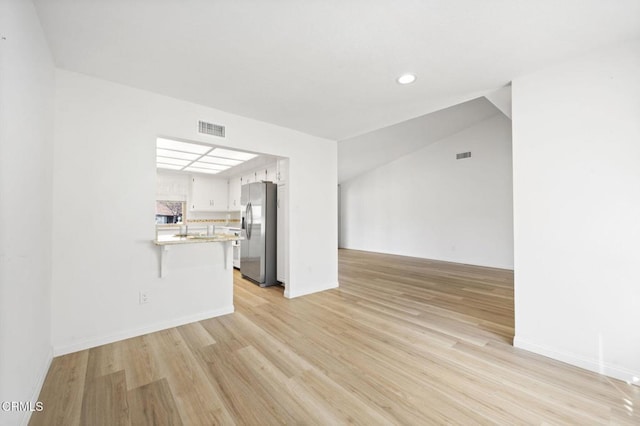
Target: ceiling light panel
[
  {"x": 168, "y": 166},
  {"x": 199, "y": 170},
  {"x": 234, "y": 155},
  {"x": 209, "y": 166},
  {"x": 176, "y": 154},
  {"x": 174, "y": 161},
  {"x": 219, "y": 160},
  {"x": 182, "y": 146}
]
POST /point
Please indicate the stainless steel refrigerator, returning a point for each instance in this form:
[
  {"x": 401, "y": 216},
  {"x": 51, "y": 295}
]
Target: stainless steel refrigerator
[{"x": 258, "y": 249}]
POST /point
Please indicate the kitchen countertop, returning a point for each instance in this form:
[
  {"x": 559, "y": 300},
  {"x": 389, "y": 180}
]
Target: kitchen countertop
[{"x": 195, "y": 239}]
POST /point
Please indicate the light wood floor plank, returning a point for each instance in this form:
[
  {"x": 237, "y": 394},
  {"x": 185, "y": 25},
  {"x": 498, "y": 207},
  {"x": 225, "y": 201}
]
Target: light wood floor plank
[
  {"x": 245, "y": 402},
  {"x": 140, "y": 365},
  {"x": 62, "y": 391},
  {"x": 105, "y": 401},
  {"x": 197, "y": 401},
  {"x": 195, "y": 335},
  {"x": 153, "y": 405},
  {"x": 104, "y": 360}
]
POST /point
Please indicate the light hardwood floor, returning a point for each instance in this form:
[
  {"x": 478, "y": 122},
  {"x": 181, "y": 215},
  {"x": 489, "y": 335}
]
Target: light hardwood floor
[{"x": 402, "y": 341}]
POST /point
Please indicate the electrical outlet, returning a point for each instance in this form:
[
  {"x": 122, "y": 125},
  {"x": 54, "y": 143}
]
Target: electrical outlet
[{"x": 144, "y": 297}]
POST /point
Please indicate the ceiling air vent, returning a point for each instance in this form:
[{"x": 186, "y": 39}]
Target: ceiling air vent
[
  {"x": 463, "y": 155},
  {"x": 210, "y": 129}
]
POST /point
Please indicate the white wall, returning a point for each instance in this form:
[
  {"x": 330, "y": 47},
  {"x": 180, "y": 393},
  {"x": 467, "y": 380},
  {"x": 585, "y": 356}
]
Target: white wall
[
  {"x": 576, "y": 154},
  {"x": 428, "y": 204},
  {"x": 104, "y": 192},
  {"x": 26, "y": 128}
]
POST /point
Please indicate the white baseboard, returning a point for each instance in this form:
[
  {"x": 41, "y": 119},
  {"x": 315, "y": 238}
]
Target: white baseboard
[
  {"x": 290, "y": 295},
  {"x": 126, "y": 334},
  {"x": 588, "y": 364},
  {"x": 42, "y": 375}
]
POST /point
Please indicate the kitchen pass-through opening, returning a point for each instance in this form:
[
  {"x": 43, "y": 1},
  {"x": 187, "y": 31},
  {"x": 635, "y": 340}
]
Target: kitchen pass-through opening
[{"x": 203, "y": 188}]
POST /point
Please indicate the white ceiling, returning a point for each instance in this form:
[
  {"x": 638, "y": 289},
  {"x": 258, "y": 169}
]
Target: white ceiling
[{"x": 326, "y": 67}]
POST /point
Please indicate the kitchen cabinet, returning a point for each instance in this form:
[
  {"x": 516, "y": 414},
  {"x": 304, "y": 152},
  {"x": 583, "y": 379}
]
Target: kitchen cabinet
[
  {"x": 267, "y": 173},
  {"x": 235, "y": 190},
  {"x": 208, "y": 194},
  {"x": 249, "y": 178},
  {"x": 282, "y": 171},
  {"x": 260, "y": 175},
  {"x": 271, "y": 174}
]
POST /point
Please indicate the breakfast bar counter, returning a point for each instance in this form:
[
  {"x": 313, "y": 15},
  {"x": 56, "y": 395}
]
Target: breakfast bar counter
[
  {"x": 164, "y": 242},
  {"x": 194, "y": 239}
]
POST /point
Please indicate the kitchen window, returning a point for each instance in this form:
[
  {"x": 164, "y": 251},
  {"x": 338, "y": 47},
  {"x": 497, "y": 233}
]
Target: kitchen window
[{"x": 170, "y": 212}]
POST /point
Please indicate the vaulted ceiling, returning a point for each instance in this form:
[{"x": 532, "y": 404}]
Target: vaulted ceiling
[
  {"x": 365, "y": 152},
  {"x": 326, "y": 67}
]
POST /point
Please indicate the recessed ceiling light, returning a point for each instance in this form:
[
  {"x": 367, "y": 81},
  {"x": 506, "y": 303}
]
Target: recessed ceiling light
[{"x": 406, "y": 79}]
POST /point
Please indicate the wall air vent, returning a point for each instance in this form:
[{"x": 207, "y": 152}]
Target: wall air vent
[
  {"x": 210, "y": 129},
  {"x": 463, "y": 155}
]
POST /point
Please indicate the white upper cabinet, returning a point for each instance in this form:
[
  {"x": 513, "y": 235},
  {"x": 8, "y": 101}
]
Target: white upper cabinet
[
  {"x": 249, "y": 178},
  {"x": 271, "y": 174},
  {"x": 208, "y": 194},
  {"x": 265, "y": 173},
  {"x": 268, "y": 173},
  {"x": 234, "y": 194},
  {"x": 282, "y": 171}
]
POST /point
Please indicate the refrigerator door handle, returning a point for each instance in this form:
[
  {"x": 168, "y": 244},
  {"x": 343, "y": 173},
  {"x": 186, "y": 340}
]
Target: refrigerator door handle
[
  {"x": 245, "y": 221},
  {"x": 249, "y": 222}
]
